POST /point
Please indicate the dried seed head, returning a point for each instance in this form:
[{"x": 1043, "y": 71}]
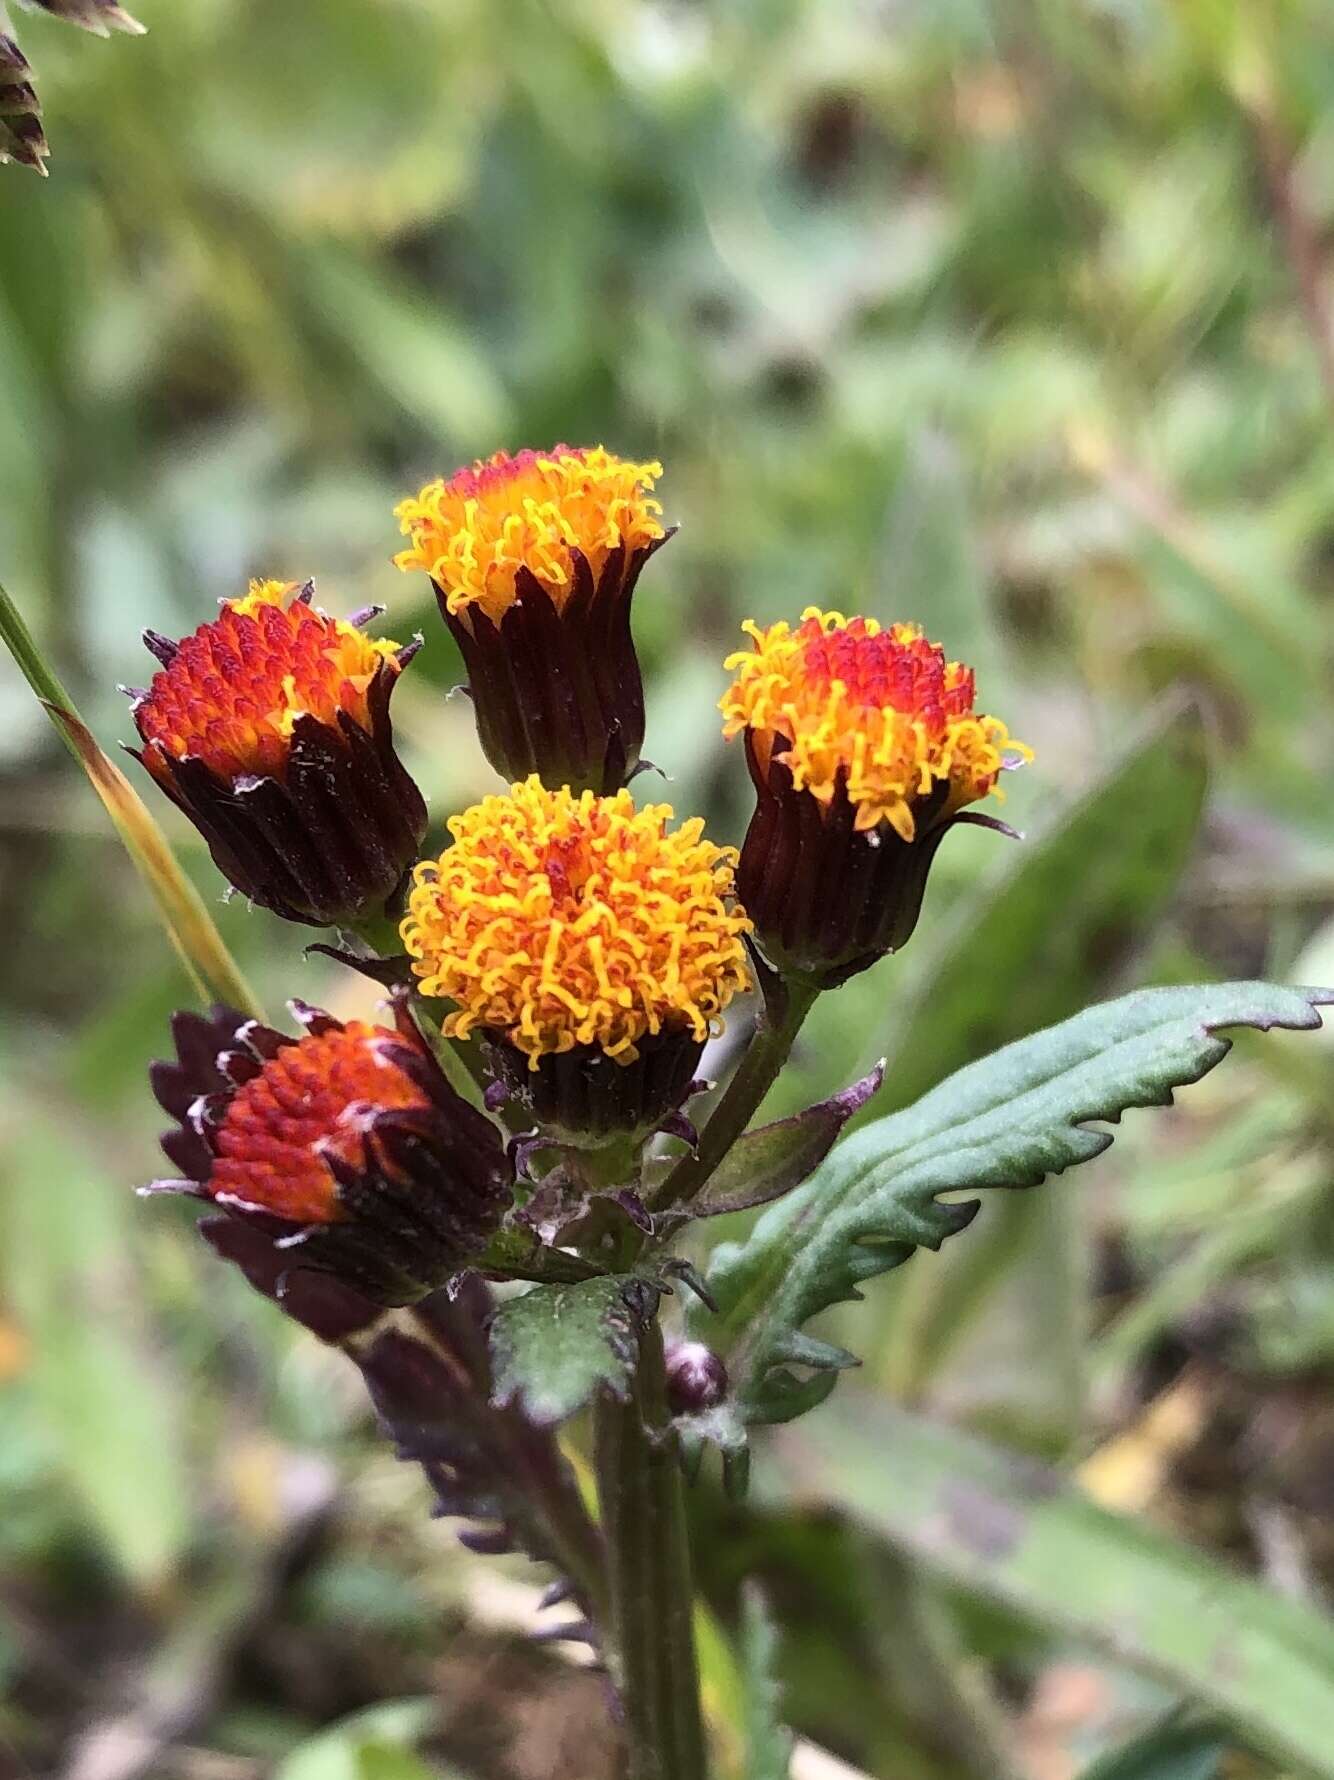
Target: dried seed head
[
  {"x": 22, "y": 138},
  {"x": 101, "y": 17}
]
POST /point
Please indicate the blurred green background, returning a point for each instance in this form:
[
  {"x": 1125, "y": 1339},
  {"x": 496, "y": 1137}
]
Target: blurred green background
[{"x": 1009, "y": 316}]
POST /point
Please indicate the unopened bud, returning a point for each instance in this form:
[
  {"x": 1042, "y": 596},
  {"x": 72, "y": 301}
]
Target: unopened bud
[{"x": 696, "y": 1378}]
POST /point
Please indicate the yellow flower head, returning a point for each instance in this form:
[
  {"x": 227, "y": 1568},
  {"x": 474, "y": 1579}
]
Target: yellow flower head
[
  {"x": 879, "y": 711},
  {"x": 473, "y": 533},
  {"x": 559, "y": 921}
]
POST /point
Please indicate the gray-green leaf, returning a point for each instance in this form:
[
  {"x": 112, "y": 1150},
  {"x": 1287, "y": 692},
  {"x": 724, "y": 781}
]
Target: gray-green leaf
[
  {"x": 1178, "y": 1752},
  {"x": 1006, "y": 1121},
  {"x": 768, "y": 1742},
  {"x": 556, "y": 1345},
  {"x": 1017, "y": 1533},
  {"x": 765, "y": 1164}
]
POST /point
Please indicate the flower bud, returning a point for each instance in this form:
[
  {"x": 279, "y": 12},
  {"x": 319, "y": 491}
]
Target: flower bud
[
  {"x": 101, "y": 17},
  {"x": 534, "y": 560},
  {"x": 22, "y": 137},
  {"x": 864, "y": 749},
  {"x": 696, "y": 1378},
  {"x": 270, "y": 729},
  {"x": 347, "y": 1145},
  {"x": 593, "y": 949}
]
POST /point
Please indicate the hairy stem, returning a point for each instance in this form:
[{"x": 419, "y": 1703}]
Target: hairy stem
[
  {"x": 652, "y": 1641},
  {"x": 787, "y": 1008}
]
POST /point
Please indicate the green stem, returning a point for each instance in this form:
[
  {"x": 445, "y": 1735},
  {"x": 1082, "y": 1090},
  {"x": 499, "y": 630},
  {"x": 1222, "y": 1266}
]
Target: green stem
[
  {"x": 35, "y": 668},
  {"x": 787, "y": 1008},
  {"x": 380, "y": 933},
  {"x": 651, "y": 1627}
]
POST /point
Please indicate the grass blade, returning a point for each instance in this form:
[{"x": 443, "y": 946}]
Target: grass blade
[
  {"x": 1020, "y": 1534},
  {"x": 191, "y": 928}
]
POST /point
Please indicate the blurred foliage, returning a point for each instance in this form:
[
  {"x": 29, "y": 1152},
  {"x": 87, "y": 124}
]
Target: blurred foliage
[{"x": 1010, "y": 316}]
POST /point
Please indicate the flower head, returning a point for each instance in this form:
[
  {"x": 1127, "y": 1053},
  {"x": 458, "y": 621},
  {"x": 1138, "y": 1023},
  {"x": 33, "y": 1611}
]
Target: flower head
[
  {"x": 562, "y": 921},
  {"x": 347, "y": 1142},
  {"x": 534, "y": 560},
  {"x": 270, "y": 728},
  {"x": 864, "y": 746},
  {"x": 535, "y": 511},
  {"x": 309, "y": 1104},
  {"x": 231, "y": 694},
  {"x": 878, "y": 714},
  {"x": 581, "y": 928}
]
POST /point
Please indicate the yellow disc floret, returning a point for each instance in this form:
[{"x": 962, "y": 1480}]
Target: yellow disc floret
[
  {"x": 559, "y": 921},
  {"x": 474, "y": 532},
  {"x": 880, "y": 713}
]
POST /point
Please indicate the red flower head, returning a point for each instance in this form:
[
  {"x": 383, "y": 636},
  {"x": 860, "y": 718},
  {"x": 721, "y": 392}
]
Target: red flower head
[
  {"x": 534, "y": 560},
  {"x": 270, "y": 728},
  {"x": 864, "y": 747},
  {"x": 347, "y": 1145}
]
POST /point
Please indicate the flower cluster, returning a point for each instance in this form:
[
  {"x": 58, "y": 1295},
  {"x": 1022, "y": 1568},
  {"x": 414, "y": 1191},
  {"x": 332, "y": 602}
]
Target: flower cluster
[{"x": 571, "y": 950}]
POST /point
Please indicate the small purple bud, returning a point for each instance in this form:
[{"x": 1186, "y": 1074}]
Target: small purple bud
[{"x": 696, "y": 1378}]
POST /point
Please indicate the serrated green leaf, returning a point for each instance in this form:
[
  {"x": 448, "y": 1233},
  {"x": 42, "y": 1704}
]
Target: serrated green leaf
[
  {"x": 1021, "y": 1535},
  {"x": 1007, "y": 1121},
  {"x": 1001, "y": 966},
  {"x": 556, "y": 1345},
  {"x": 998, "y": 968},
  {"x": 768, "y": 1742}
]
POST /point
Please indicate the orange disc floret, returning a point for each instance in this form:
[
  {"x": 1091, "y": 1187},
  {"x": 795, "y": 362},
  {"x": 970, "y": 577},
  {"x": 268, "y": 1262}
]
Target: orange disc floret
[
  {"x": 557, "y": 921},
  {"x": 232, "y": 692},
  {"x": 309, "y": 1098},
  {"x": 880, "y": 711},
  {"x": 474, "y": 532}
]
